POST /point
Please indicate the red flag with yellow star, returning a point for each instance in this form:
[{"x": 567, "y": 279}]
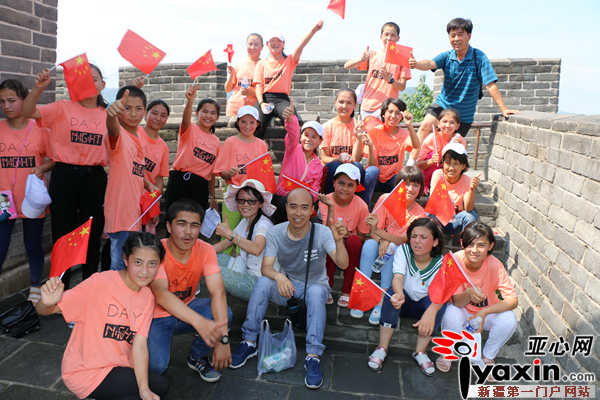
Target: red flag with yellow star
[
  {"x": 446, "y": 281},
  {"x": 397, "y": 54},
  {"x": 79, "y": 79},
  {"x": 261, "y": 169},
  {"x": 440, "y": 204},
  {"x": 371, "y": 122},
  {"x": 290, "y": 184},
  {"x": 365, "y": 294},
  {"x": 338, "y": 7},
  {"x": 396, "y": 204},
  {"x": 148, "y": 202},
  {"x": 202, "y": 65},
  {"x": 70, "y": 249},
  {"x": 139, "y": 52}
]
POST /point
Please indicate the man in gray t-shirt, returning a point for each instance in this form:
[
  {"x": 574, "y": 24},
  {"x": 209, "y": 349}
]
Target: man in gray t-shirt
[{"x": 288, "y": 242}]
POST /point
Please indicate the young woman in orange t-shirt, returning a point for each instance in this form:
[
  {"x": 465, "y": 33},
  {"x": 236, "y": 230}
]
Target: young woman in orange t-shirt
[{"x": 241, "y": 78}]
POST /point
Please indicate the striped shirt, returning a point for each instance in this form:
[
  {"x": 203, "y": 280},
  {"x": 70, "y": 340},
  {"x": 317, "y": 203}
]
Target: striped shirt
[
  {"x": 461, "y": 86},
  {"x": 416, "y": 281}
]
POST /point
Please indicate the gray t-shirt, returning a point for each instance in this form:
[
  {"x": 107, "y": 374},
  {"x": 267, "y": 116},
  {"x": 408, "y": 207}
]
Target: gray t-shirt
[{"x": 292, "y": 254}]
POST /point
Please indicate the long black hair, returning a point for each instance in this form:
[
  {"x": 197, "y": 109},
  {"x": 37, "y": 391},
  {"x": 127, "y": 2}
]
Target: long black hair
[
  {"x": 100, "y": 102},
  {"x": 258, "y": 196}
]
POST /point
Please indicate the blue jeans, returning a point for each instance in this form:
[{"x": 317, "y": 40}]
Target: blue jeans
[
  {"x": 117, "y": 241},
  {"x": 163, "y": 329},
  {"x": 410, "y": 308},
  {"x": 331, "y": 167},
  {"x": 32, "y": 238},
  {"x": 458, "y": 224},
  {"x": 316, "y": 298},
  {"x": 370, "y": 252},
  {"x": 373, "y": 184}
]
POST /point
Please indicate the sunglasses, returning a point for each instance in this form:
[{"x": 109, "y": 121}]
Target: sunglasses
[{"x": 250, "y": 202}]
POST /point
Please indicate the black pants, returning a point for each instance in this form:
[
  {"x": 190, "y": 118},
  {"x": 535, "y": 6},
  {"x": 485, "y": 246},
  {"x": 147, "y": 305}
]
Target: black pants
[
  {"x": 77, "y": 193},
  {"x": 281, "y": 101},
  {"x": 185, "y": 185},
  {"x": 120, "y": 383}
]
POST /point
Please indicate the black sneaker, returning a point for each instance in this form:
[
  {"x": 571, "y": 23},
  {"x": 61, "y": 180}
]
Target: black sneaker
[{"x": 206, "y": 371}]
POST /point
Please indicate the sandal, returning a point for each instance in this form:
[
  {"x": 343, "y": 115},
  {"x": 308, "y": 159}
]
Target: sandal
[
  {"x": 376, "y": 359},
  {"x": 329, "y": 300},
  {"x": 424, "y": 362},
  {"x": 487, "y": 361},
  {"x": 343, "y": 301},
  {"x": 35, "y": 295},
  {"x": 442, "y": 364}
]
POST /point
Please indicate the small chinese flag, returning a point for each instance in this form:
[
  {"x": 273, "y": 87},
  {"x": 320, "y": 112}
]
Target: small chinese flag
[
  {"x": 139, "y": 52},
  {"x": 446, "y": 281},
  {"x": 440, "y": 204},
  {"x": 79, "y": 79},
  {"x": 365, "y": 294},
  {"x": 338, "y": 7},
  {"x": 149, "y": 202},
  {"x": 261, "y": 169},
  {"x": 229, "y": 51},
  {"x": 202, "y": 65},
  {"x": 397, "y": 54},
  {"x": 70, "y": 249},
  {"x": 371, "y": 122},
  {"x": 290, "y": 184},
  {"x": 396, "y": 204}
]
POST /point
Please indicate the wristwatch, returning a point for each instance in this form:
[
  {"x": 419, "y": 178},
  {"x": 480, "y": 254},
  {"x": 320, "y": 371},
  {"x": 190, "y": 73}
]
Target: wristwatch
[
  {"x": 225, "y": 339},
  {"x": 391, "y": 80}
]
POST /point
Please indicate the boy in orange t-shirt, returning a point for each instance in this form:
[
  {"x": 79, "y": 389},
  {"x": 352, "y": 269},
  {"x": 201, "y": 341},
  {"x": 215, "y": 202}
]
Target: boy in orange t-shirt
[{"x": 127, "y": 166}]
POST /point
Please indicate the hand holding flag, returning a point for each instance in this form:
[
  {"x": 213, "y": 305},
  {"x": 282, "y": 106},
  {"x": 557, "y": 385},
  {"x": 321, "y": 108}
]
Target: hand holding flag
[
  {"x": 139, "y": 52},
  {"x": 449, "y": 277},
  {"x": 79, "y": 79},
  {"x": 365, "y": 294},
  {"x": 149, "y": 205},
  {"x": 70, "y": 249}
]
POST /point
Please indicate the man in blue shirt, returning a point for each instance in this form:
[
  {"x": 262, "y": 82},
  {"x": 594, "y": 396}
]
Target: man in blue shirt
[{"x": 462, "y": 81}]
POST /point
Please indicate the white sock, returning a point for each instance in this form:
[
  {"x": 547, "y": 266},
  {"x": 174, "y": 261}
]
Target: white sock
[{"x": 250, "y": 344}]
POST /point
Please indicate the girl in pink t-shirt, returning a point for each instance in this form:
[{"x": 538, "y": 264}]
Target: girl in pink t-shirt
[
  {"x": 273, "y": 77},
  {"x": 107, "y": 353},
  {"x": 493, "y": 298},
  {"x": 29, "y": 145},
  {"x": 241, "y": 78}
]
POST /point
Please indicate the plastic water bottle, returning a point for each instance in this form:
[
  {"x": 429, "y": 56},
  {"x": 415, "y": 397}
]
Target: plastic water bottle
[
  {"x": 473, "y": 325},
  {"x": 380, "y": 262},
  {"x": 245, "y": 84},
  {"x": 268, "y": 108}
]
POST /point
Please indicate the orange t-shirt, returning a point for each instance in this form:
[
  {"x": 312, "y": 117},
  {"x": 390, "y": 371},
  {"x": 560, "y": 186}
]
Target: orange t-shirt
[
  {"x": 354, "y": 215},
  {"x": 77, "y": 132},
  {"x": 376, "y": 89},
  {"x": 157, "y": 158},
  {"x": 125, "y": 182},
  {"x": 386, "y": 220},
  {"x": 390, "y": 151},
  {"x": 107, "y": 316},
  {"x": 340, "y": 138},
  {"x": 35, "y": 150},
  {"x": 276, "y": 76},
  {"x": 457, "y": 191},
  {"x": 183, "y": 278},
  {"x": 490, "y": 277},
  {"x": 235, "y": 153},
  {"x": 243, "y": 68},
  {"x": 440, "y": 142},
  {"x": 197, "y": 152}
]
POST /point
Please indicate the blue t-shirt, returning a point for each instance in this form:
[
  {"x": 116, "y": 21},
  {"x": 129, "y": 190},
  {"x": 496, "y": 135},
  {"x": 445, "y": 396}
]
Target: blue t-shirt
[{"x": 461, "y": 86}]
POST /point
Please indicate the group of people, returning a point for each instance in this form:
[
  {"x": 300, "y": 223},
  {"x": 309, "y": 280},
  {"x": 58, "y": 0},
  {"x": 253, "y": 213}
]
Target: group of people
[{"x": 267, "y": 239}]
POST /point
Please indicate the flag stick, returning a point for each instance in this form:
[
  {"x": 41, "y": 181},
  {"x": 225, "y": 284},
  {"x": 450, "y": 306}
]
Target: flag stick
[
  {"x": 392, "y": 224},
  {"x": 384, "y": 200},
  {"x": 52, "y": 68},
  {"x": 144, "y": 213},
  {"x": 262, "y": 155},
  {"x": 298, "y": 183},
  {"x": 434, "y": 140},
  {"x": 379, "y": 287},
  {"x": 463, "y": 272}
]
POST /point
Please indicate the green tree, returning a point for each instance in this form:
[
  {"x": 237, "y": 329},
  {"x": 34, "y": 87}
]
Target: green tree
[{"x": 418, "y": 102}]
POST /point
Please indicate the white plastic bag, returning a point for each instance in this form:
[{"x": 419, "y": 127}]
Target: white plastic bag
[
  {"x": 277, "y": 351},
  {"x": 211, "y": 220}
]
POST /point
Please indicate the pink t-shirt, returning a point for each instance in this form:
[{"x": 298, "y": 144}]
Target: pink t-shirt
[
  {"x": 235, "y": 153},
  {"x": 490, "y": 277},
  {"x": 457, "y": 191},
  {"x": 244, "y": 68},
  {"x": 157, "y": 158},
  {"x": 77, "y": 132},
  {"x": 386, "y": 220},
  {"x": 354, "y": 215},
  {"x": 107, "y": 315},
  {"x": 376, "y": 89},
  {"x": 389, "y": 151},
  {"x": 125, "y": 182},
  {"x": 35, "y": 150},
  {"x": 197, "y": 152},
  {"x": 276, "y": 76},
  {"x": 294, "y": 163}
]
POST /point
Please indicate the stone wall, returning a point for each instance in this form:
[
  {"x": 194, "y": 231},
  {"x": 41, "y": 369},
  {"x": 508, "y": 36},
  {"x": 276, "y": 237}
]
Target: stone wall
[
  {"x": 546, "y": 170},
  {"x": 27, "y": 45}
]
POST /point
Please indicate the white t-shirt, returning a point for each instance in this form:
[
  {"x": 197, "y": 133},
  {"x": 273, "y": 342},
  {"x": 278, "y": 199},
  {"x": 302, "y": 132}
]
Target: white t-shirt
[
  {"x": 253, "y": 263},
  {"x": 416, "y": 281}
]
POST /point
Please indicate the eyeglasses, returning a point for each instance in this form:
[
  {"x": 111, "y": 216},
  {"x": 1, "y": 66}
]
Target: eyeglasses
[{"x": 250, "y": 202}]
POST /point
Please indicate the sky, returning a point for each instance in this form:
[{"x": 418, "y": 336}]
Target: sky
[{"x": 185, "y": 29}]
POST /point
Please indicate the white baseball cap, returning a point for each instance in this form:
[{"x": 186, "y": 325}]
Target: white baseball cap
[
  {"x": 316, "y": 126},
  {"x": 277, "y": 35},
  {"x": 36, "y": 197},
  {"x": 349, "y": 169},
  {"x": 454, "y": 146},
  {"x": 248, "y": 110}
]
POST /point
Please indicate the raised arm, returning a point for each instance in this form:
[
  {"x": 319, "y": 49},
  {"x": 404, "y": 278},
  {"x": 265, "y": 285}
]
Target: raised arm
[
  {"x": 231, "y": 81},
  {"x": 112, "y": 119},
  {"x": 29, "y": 108},
  {"x": 422, "y": 65},
  {"x": 355, "y": 62},
  {"x": 186, "y": 119},
  {"x": 408, "y": 121},
  {"x": 298, "y": 50}
]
